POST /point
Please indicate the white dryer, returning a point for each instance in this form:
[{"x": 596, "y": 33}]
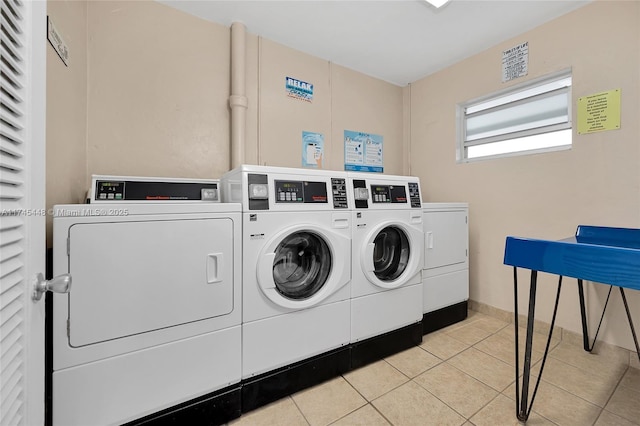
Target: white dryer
[
  {"x": 296, "y": 277},
  {"x": 387, "y": 260},
  {"x": 153, "y": 316},
  {"x": 445, "y": 276}
]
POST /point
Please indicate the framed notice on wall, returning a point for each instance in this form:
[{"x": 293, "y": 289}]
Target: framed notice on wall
[
  {"x": 362, "y": 152},
  {"x": 515, "y": 62},
  {"x": 312, "y": 149},
  {"x": 599, "y": 112}
]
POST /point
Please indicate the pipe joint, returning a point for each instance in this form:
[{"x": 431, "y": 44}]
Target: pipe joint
[{"x": 238, "y": 101}]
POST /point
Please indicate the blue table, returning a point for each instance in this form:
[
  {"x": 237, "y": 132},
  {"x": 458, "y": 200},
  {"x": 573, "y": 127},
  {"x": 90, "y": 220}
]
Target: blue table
[{"x": 595, "y": 253}]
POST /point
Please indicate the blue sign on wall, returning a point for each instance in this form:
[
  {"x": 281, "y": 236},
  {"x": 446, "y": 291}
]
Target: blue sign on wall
[
  {"x": 362, "y": 152},
  {"x": 299, "y": 89}
]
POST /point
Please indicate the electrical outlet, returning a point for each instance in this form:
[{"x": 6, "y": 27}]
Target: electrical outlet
[{"x": 57, "y": 42}]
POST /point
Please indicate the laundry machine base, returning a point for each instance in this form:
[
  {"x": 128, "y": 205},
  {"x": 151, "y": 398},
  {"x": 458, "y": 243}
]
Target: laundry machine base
[
  {"x": 271, "y": 343},
  {"x": 384, "y": 345},
  {"x": 379, "y": 313},
  {"x": 138, "y": 384},
  {"x": 432, "y": 321},
  {"x": 213, "y": 409},
  {"x": 271, "y": 386}
]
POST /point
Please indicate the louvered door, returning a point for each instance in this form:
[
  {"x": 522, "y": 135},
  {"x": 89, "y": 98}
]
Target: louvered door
[{"x": 22, "y": 214}]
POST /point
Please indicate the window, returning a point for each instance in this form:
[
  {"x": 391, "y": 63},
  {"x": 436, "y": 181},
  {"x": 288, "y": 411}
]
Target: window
[{"x": 528, "y": 118}]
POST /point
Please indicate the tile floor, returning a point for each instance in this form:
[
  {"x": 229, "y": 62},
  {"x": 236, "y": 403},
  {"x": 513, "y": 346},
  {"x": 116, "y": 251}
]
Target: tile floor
[{"x": 464, "y": 375}]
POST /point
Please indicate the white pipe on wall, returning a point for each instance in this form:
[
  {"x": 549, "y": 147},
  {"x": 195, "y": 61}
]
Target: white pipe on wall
[{"x": 238, "y": 99}]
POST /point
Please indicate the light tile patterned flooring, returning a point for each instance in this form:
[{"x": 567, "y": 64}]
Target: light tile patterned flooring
[{"x": 464, "y": 375}]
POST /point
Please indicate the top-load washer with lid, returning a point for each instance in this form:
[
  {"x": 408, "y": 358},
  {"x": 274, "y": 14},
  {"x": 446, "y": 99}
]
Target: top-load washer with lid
[
  {"x": 296, "y": 277},
  {"x": 387, "y": 259},
  {"x": 151, "y": 325}
]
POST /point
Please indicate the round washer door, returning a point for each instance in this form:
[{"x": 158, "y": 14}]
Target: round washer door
[
  {"x": 302, "y": 266},
  {"x": 390, "y": 255}
]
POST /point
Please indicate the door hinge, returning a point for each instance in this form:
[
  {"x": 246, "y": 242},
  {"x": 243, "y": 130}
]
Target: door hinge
[
  {"x": 466, "y": 253},
  {"x": 466, "y": 219}
]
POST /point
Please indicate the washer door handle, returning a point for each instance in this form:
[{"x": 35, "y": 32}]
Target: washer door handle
[
  {"x": 265, "y": 271},
  {"x": 368, "y": 257},
  {"x": 214, "y": 268}
]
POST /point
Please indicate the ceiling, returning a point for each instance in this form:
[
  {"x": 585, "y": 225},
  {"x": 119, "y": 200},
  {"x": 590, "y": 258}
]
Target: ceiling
[{"x": 399, "y": 41}]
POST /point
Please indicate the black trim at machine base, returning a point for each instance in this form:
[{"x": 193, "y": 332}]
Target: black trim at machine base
[
  {"x": 213, "y": 409},
  {"x": 444, "y": 317},
  {"x": 268, "y": 387},
  {"x": 378, "y": 347}
]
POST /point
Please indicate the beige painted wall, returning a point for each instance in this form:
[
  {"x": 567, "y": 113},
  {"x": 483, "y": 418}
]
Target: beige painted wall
[
  {"x": 282, "y": 119},
  {"x": 158, "y": 97},
  {"x": 158, "y": 90},
  {"x": 342, "y": 100},
  {"x": 150, "y": 89},
  {"x": 542, "y": 195},
  {"x": 67, "y": 108},
  {"x": 366, "y": 104}
]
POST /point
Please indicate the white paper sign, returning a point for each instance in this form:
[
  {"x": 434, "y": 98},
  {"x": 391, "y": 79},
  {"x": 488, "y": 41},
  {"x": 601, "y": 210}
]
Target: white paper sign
[
  {"x": 515, "y": 62},
  {"x": 57, "y": 42}
]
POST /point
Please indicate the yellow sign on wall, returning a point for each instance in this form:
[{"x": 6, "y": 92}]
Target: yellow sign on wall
[{"x": 599, "y": 112}]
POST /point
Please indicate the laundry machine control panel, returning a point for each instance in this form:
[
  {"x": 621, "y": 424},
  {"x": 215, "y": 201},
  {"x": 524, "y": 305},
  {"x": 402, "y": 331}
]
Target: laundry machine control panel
[
  {"x": 339, "y": 187},
  {"x": 270, "y": 188},
  {"x": 109, "y": 189},
  {"x": 291, "y": 191},
  {"x": 310, "y": 192},
  {"x": 414, "y": 195},
  {"x": 388, "y": 194}
]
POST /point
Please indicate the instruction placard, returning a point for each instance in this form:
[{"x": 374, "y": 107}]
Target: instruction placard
[
  {"x": 362, "y": 152},
  {"x": 312, "y": 149},
  {"x": 515, "y": 62},
  {"x": 599, "y": 112}
]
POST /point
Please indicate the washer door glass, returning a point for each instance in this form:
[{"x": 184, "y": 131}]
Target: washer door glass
[
  {"x": 391, "y": 253},
  {"x": 301, "y": 265}
]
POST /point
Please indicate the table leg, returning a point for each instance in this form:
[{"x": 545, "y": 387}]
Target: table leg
[
  {"x": 517, "y": 339},
  {"x": 523, "y": 405},
  {"x": 633, "y": 330},
  {"x": 583, "y": 316}
]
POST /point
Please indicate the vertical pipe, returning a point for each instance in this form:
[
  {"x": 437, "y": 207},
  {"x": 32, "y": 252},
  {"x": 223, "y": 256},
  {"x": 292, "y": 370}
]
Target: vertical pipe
[
  {"x": 406, "y": 130},
  {"x": 238, "y": 100}
]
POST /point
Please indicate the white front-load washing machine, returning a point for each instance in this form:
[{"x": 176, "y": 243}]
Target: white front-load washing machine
[
  {"x": 151, "y": 326},
  {"x": 296, "y": 277},
  {"x": 387, "y": 258}
]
